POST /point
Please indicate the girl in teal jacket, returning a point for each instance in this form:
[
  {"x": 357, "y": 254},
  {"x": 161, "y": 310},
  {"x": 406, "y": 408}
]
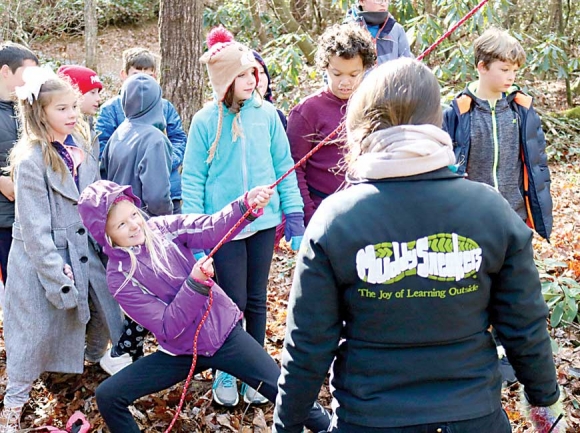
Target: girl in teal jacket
[{"x": 235, "y": 143}]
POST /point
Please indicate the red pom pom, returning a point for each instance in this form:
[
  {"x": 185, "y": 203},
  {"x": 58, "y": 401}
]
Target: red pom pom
[{"x": 217, "y": 35}]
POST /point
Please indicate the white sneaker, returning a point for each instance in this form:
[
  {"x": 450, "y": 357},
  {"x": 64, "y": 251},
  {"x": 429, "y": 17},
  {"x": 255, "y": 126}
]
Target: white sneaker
[
  {"x": 10, "y": 419},
  {"x": 225, "y": 389},
  {"x": 114, "y": 365},
  {"x": 251, "y": 396}
]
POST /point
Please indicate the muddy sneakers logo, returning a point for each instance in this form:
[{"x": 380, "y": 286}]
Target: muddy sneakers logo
[{"x": 441, "y": 257}]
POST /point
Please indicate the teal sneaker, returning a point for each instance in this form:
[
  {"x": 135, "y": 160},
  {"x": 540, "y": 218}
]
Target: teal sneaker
[
  {"x": 251, "y": 396},
  {"x": 225, "y": 389}
]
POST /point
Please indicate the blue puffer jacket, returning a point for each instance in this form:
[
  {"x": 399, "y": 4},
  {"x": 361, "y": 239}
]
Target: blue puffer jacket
[
  {"x": 258, "y": 157},
  {"x": 457, "y": 122},
  {"x": 112, "y": 115}
]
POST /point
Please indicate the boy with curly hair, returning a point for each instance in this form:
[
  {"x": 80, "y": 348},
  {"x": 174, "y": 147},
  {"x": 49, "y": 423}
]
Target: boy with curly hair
[{"x": 345, "y": 52}]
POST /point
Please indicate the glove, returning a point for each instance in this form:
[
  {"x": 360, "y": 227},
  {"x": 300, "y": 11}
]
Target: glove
[
  {"x": 549, "y": 419},
  {"x": 544, "y": 419},
  {"x": 294, "y": 229}
]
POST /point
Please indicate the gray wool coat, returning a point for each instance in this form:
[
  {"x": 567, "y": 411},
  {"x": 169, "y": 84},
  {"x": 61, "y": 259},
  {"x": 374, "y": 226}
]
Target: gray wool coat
[{"x": 45, "y": 314}]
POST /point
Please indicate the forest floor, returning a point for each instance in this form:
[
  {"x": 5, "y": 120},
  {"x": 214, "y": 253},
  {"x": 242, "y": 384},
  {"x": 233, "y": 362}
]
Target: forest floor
[{"x": 56, "y": 396}]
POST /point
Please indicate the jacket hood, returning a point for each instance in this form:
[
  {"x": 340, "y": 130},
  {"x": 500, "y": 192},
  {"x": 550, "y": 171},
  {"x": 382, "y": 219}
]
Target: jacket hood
[
  {"x": 268, "y": 95},
  {"x": 94, "y": 205},
  {"x": 141, "y": 100}
]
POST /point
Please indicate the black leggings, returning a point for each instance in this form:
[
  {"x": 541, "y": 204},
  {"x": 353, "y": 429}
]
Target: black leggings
[
  {"x": 242, "y": 268},
  {"x": 240, "y": 356}
]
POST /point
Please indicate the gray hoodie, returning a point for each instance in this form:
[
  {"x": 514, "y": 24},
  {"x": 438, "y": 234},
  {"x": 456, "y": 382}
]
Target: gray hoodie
[{"x": 139, "y": 153}]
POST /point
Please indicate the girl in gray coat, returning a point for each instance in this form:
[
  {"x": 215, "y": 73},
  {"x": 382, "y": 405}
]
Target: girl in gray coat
[{"x": 57, "y": 291}]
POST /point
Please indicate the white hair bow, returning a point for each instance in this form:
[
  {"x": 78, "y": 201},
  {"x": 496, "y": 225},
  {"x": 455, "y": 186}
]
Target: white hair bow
[{"x": 34, "y": 77}]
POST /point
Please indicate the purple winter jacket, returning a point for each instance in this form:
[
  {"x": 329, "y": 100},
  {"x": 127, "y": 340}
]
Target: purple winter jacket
[{"x": 164, "y": 304}]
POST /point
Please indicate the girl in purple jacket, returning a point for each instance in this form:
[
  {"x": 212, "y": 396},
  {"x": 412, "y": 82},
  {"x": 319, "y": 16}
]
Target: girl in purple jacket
[{"x": 153, "y": 275}]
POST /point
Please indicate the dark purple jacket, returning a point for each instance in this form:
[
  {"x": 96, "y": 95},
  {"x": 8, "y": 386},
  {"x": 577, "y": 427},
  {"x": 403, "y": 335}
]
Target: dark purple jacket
[
  {"x": 310, "y": 122},
  {"x": 164, "y": 304}
]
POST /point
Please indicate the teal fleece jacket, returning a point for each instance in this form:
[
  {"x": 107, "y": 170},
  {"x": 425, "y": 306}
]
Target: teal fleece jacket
[{"x": 259, "y": 157}]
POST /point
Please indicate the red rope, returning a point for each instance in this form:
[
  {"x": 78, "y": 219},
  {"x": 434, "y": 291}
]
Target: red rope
[
  {"x": 284, "y": 176},
  {"x": 452, "y": 29},
  {"x": 193, "y": 363}
]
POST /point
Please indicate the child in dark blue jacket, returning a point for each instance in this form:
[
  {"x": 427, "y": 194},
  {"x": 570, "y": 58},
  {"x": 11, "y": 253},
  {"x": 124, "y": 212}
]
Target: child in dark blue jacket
[{"x": 497, "y": 135}]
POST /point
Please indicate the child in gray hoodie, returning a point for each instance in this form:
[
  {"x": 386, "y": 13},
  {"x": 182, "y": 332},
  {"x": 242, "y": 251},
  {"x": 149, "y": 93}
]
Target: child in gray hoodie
[{"x": 139, "y": 153}]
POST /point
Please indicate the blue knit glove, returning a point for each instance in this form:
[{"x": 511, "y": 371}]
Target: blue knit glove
[{"x": 294, "y": 229}]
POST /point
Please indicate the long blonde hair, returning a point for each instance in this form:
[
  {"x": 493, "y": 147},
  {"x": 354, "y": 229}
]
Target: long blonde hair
[
  {"x": 153, "y": 244},
  {"x": 35, "y": 130}
]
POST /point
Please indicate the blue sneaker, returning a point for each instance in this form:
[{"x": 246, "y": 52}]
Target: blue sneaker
[
  {"x": 251, "y": 396},
  {"x": 225, "y": 389}
]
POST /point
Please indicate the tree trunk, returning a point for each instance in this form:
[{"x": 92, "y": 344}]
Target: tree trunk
[
  {"x": 291, "y": 26},
  {"x": 91, "y": 30},
  {"x": 556, "y": 16},
  {"x": 181, "y": 40},
  {"x": 254, "y": 6},
  {"x": 557, "y": 22}
]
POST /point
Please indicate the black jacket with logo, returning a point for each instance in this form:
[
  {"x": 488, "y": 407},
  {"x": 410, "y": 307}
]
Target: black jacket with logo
[
  {"x": 396, "y": 284},
  {"x": 8, "y": 137}
]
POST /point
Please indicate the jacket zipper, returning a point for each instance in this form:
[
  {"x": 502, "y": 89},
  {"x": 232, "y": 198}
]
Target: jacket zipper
[
  {"x": 244, "y": 164},
  {"x": 495, "y": 148}
]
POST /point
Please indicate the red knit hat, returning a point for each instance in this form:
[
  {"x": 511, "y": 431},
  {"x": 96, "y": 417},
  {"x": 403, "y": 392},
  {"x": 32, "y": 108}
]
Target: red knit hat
[{"x": 84, "y": 78}]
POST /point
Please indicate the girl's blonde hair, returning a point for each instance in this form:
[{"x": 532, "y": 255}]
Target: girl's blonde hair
[
  {"x": 154, "y": 245},
  {"x": 399, "y": 92},
  {"x": 35, "y": 130}
]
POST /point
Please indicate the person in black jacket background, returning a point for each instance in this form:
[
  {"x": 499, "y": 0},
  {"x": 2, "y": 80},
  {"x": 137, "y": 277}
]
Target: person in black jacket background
[
  {"x": 14, "y": 58},
  {"x": 400, "y": 276}
]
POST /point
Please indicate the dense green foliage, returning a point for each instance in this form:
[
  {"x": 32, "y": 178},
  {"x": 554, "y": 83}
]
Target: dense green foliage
[
  {"x": 546, "y": 29},
  {"x": 550, "y": 40}
]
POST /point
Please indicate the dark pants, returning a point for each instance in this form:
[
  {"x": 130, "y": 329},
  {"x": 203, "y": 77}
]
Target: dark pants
[
  {"x": 5, "y": 243},
  {"x": 240, "y": 356},
  {"x": 242, "y": 268},
  {"x": 176, "y": 206},
  {"x": 496, "y": 422}
]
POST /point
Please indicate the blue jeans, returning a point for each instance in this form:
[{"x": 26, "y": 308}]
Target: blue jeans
[
  {"x": 496, "y": 422},
  {"x": 240, "y": 355}
]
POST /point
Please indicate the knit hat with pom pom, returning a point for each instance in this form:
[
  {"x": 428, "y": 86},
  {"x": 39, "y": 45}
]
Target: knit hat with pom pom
[{"x": 225, "y": 60}]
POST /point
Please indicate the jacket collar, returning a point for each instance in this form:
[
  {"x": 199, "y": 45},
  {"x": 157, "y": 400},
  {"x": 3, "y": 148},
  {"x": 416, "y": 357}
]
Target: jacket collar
[
  {"x": 439, "y": 174},
  {"x": 67, "y": 186}
]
